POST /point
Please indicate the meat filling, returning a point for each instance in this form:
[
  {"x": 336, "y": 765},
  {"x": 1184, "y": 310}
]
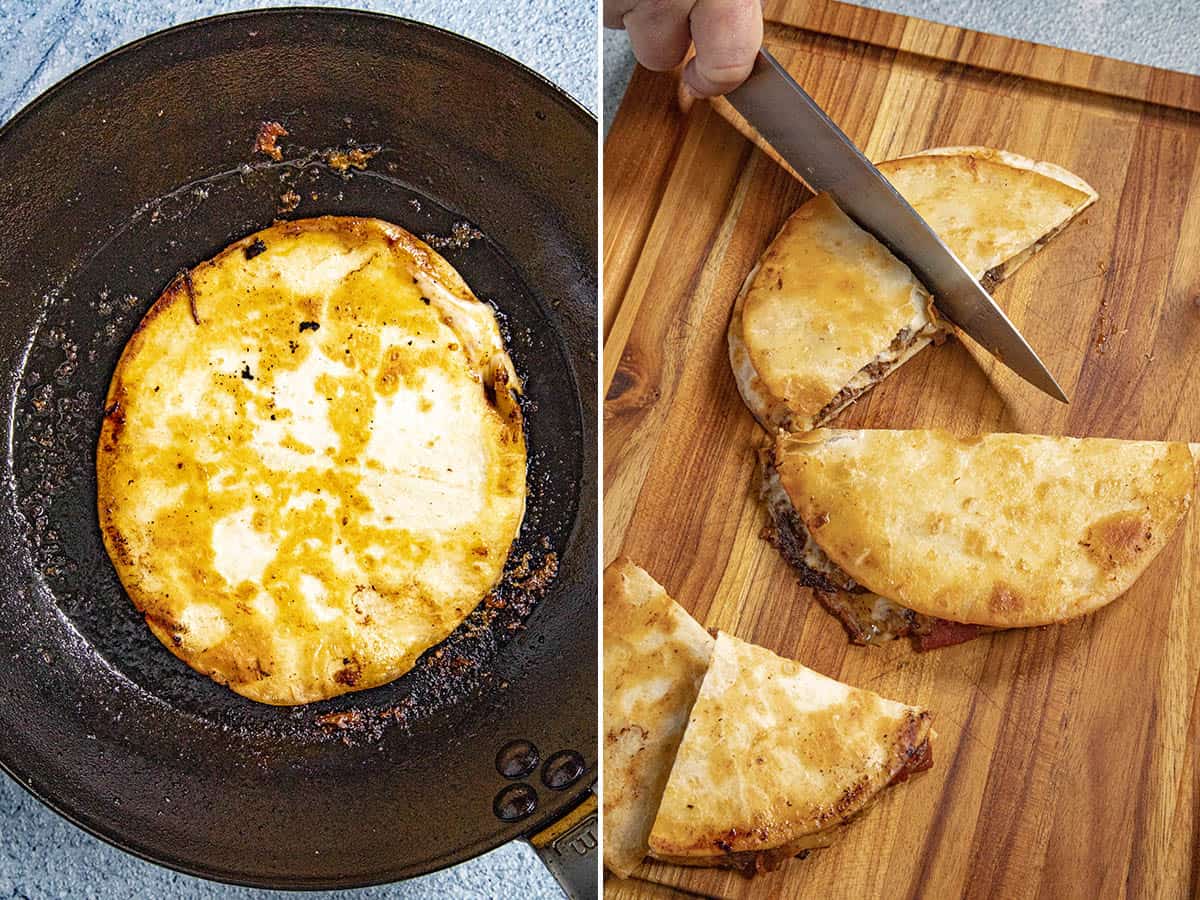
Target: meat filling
[
  {"x": 867, "y": 617},
  {"x": 876, "y": 370}
]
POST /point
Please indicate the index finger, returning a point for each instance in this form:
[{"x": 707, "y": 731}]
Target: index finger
[{"x": 727, "y": 35}]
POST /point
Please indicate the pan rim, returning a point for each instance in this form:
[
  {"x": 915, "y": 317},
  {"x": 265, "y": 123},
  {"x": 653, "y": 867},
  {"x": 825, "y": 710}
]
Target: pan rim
[
  {"x": 577, "y": 108},
  {"x": 558, "y": 803}
]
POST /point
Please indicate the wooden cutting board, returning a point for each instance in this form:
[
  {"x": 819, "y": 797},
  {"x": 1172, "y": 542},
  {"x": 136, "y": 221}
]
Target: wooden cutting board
[{"x": 1066, "y": 762}]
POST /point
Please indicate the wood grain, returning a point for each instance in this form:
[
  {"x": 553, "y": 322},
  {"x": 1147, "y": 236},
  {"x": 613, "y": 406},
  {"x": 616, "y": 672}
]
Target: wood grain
[{"x": 1066, "y": 763}]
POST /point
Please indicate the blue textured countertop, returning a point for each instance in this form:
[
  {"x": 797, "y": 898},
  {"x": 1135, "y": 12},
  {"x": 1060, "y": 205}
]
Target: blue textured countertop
[
  {"x": 41, "y": 41},
  {"x": 1163, "y": 33}
]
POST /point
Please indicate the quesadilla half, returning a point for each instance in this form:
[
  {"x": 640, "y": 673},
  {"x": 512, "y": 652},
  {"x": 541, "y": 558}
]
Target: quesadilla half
[
  {"x": 829, "y": 312},
  {"x": 925, "y": 535},
  {"x": 655, "y": 656},
  {"x": 775, "y": 758}
]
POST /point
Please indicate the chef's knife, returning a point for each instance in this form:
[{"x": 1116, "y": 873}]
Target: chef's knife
[{"x": 800, "y": 131}]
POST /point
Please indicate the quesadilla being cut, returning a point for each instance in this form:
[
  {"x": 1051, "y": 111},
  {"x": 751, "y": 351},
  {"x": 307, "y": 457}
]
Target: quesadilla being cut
[
  {"x": 655, "y": 656},
  {"x": 776, "y": 758},
  {"x": 925, "y": 535},
  {"x": 829, "y": 312},
  {"x": 993, "y": 208}
]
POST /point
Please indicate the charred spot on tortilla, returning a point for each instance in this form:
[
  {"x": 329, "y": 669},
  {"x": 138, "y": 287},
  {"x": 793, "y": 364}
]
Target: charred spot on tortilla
[{"x": 284, "y": 525}]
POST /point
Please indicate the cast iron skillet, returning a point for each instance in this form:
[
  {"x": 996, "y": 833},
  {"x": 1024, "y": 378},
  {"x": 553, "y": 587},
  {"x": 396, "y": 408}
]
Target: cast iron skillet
[{"x": 140, "y": 165}]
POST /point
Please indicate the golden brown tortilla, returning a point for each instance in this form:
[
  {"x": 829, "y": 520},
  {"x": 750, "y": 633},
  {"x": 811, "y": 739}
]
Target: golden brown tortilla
[
  {"x": 655, "y": 655},
  {"x": 311, "y": 466},
  {"x": 1003, "y": 530},
  {"x": 775, "y": 758}
]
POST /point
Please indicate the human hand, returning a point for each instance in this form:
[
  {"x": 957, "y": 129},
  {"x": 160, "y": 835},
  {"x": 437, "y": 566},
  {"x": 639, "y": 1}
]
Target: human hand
[{"x": 727, "y": 35}]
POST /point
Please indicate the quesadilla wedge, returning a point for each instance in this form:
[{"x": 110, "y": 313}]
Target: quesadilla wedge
[
  {"x": 655, "y": 656},
  {"x": 829, "y": 312},
  {"x": 938, "y": 538},
  {"x": 993, "y": 208},
  {"x": 775, "y": 758}
]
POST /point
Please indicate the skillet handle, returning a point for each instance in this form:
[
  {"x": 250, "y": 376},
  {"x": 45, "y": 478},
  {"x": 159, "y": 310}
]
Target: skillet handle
[{"x": 570, "y": 848}]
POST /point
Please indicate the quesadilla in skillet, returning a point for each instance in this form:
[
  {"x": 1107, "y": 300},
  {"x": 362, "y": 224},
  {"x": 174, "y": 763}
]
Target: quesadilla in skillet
[
  {"x": 829, "y": 311},
  {"x": 312, "y": 463},
  {"x": 655, "y": 656},
  {"x": 925, "y": 535},
  {"x": 776, "y": 758}
]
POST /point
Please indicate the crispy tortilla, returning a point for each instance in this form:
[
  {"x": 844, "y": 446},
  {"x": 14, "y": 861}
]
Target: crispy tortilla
[
  {"x": 825, "y": 301},
  {"x": 1003, "y": 530},
  {"x": 775, "y": 758},
  {"x": 828, "y": 312},
  {"x": 312, "y": 463},
  {"x": 867, "y": 617},
  {"x": 655, "y": 655},
  {"x": 993, "y": 208}
]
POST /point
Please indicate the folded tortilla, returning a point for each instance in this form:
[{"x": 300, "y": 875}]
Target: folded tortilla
[
  {"x": 655, "y": 656},
  {"x": 775, "y": 758},
  {"x": 924, "y": 534},
  {"x": 993, "y": 208},
  {"x": 829, "y": 312}
]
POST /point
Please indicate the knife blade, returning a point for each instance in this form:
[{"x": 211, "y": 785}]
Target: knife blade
[{"x": 828, "y": 161}]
